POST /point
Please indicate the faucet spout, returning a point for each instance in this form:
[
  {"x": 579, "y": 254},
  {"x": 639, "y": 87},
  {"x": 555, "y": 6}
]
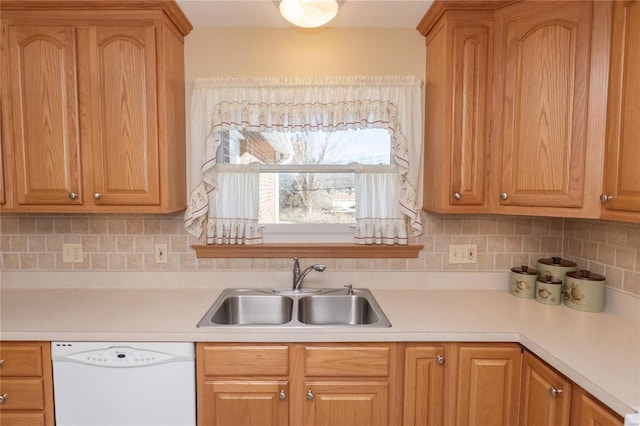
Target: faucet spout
[{"x": 298, "y": 276}]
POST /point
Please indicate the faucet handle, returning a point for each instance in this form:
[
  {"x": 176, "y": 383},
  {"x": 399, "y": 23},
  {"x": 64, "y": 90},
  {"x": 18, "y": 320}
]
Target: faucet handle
[{"x": 349, "y": 288}]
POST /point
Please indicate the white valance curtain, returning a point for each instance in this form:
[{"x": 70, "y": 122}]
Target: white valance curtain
[{"x": 296, "y": 104}]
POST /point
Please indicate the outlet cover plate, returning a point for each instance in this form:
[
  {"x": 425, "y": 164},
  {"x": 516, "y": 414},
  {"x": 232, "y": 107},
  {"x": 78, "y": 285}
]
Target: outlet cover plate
[{"x": 72, "y": 253}]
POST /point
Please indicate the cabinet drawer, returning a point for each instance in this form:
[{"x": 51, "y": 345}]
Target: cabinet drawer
[
  {"x": 23, "y": 419},
  {"x": 20, "y": 360},
  {"x": 22, "y": 394},
  {"x": 349, "y": 361},
  {"x": 245, "y": 360}
]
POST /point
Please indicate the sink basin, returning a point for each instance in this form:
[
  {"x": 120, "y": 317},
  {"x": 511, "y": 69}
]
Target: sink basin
[
  {"x": 312, "y": 308},
  {"x": 249, "y": 308},
  {"x": 336, "y": 309}
]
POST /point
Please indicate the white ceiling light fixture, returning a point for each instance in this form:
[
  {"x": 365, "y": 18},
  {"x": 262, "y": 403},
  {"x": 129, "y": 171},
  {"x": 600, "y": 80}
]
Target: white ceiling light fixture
[{"x": 308, "y": 13}]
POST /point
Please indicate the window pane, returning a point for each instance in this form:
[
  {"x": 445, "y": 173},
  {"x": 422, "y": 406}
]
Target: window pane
[
  {"x": 307, "y": 198},
  {"x": 367, "y": 146}
]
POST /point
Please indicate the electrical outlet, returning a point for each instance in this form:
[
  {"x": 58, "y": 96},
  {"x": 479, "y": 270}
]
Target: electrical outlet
[
  {"x": 72, "y": 253},
  {"x": 462, "y": 253},
  {"x": 161, "y": 253}
]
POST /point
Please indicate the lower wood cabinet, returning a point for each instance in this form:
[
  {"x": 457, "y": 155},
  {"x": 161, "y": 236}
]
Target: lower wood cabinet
[
  {"x": 588, "y": 411},
  {"x": 487, "y": 384},
  {"x": 545, "y": 397},
  {"x": 346, "y": 384},
  {"x": 550, "y": 399},
  {"x": 371, "y": 384},
  {"x": 26, "y": 384}
]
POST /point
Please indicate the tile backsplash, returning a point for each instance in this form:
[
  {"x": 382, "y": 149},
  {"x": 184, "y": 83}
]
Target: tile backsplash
[{"x": 33, "y": 242}]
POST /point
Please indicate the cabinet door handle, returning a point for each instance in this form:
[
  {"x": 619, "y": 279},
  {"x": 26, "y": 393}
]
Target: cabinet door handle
[
  {"x": 457, "y": 195},
  {"x": 555, "y": 392},
  {"x": 310, "y": 395},
  {"x": 440, "y": 359},
  {"x": 97, "y": 195},
  {"x": 73, "y": 195},
  {"x": 3, "y": 398},
  {"x": 504, "y": 196},
  {"x": 282, "y": 395},
  {"x": 1, "y": 362},
  {"x": 604, "y": 198}
]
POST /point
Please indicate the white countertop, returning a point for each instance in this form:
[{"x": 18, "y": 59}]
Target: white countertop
[{"x": 598, "y": 351}]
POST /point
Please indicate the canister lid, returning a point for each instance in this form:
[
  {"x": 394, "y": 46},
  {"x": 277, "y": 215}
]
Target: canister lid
[
  {"x": 558, "y": 261},
  {"x": 548, "y": 279},
  {"x": 583, "y": 274},
  {"x": 525, "y": 270}
]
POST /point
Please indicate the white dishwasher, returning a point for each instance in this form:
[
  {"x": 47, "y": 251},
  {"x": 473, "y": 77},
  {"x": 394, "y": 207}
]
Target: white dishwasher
[{"x": 124, "y": 384}]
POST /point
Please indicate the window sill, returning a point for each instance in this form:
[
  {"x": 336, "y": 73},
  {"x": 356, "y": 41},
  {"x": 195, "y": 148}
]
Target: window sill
[{"x": 328, "y": 250}]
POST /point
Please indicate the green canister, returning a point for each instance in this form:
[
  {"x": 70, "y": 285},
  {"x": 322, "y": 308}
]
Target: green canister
[
  {"x": 585, "y": 291},
  {"x": 548, "y": 290},
  {"x": 523, "y": 282},
  {"x": 557, "y": 267}
]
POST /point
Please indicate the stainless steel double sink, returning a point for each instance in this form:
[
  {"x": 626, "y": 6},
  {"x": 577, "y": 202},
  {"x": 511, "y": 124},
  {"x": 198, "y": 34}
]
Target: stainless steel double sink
[{"x": 295, "y": 308}]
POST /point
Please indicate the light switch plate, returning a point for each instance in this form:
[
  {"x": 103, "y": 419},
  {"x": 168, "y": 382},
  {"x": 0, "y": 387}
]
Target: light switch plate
[
  {"x": 462, "y": 253},
  {"x": 161, "y": 253}
]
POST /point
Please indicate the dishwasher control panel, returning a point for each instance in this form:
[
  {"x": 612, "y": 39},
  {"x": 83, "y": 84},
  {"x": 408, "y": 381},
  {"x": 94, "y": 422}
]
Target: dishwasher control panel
[{"x": 119, "y": 355}]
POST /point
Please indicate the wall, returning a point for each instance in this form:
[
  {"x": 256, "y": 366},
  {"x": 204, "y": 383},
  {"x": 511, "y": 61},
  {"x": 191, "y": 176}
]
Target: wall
[{"x": 125, "y": 242}]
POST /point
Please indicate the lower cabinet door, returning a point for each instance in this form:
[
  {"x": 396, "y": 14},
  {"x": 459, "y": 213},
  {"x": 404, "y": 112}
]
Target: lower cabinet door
[
  {"x": 488, "y": 384},
  {"x": 545, "y": 396},
  {"x": 588, "y": 411},
  {"x": 245, "y": 403},
  {"x": 361, "y": 403},
  {"x": 424, "y": 372}
]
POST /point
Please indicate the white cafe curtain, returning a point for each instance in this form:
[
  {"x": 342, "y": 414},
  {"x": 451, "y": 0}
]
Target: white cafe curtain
[
  {"x": 233, "y": 216},
  {"x": 296, "y": 104},
  {"x": 379, "y": 219}
]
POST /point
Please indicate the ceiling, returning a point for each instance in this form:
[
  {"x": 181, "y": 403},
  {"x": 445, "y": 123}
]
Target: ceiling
[{"x": 264, "y": 13}]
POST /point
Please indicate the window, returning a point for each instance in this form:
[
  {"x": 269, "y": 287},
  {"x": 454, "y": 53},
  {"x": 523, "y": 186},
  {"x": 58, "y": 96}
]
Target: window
[
  {"x": 307, "y": 178},
  {"x": 323, "y": 152}
]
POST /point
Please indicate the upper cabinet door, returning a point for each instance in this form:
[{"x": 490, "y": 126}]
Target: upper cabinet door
[
  {"x": 124, "y": 120},
  {"x": 458, "y": 80},
  {"x": 544, "y": 72},
  {"x": 622, "y": 173},
  {"x": 45, "y": 144}
]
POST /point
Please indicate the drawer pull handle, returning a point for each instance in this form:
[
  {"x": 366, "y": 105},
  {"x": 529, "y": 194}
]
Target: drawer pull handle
[
  {"x": 504, "y": 196},
  {"x": 604, "y": 198},
  {"x": 457, "y": 195},
  {"x": 73, "y": 195},
  {"x": 440, "y": 359},
  {"x": 3, "y": 398},
  {"x": 282, "y": 395},
  {"x": 97, "y": 195},
  {"x": 310, "y": 395},
  {"x": 554, "y": 391}
]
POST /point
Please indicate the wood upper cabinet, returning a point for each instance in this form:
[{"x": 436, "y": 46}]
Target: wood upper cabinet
[
  {"x": 542, "y": 97},
  {"x": 26, "y": 384},
  {"x": 487, "y": 384},
  {"x": 458, "y": 82},
  {"x": 44, "y": 105},
  {"x": 124, "y": 116},
  {"x": 621, "y": 192},
  {"x": 545, "y": 395},
  {"x": 424, "y": 378},
  {"x": 515, "y": 121},
  {"x": 95, "y": 103}
]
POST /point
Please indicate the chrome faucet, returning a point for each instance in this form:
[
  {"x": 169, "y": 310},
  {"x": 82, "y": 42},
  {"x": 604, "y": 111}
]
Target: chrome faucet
[{"x": 299, "y": 276}]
